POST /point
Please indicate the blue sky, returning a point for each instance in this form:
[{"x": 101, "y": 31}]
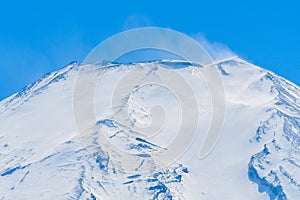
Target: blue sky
[{"x": 41, "y": 36}]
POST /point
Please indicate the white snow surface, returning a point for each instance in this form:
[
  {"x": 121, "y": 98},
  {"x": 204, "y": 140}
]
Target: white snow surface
[{"x": 257, "y": 156}]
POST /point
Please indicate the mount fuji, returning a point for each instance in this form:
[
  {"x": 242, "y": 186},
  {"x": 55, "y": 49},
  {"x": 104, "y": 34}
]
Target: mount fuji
[{"x": 257, "y": 156}]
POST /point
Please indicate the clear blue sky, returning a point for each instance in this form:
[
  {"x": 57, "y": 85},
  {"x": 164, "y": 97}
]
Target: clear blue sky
[{"x": 38, "y": 37}]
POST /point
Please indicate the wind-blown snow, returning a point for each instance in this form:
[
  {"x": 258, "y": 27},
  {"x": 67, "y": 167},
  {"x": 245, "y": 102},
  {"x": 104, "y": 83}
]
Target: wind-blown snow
[{"x": 257, "y": 156}]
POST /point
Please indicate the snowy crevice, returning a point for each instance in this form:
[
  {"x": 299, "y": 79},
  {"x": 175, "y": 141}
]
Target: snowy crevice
[{"x": 271, "y": 168}]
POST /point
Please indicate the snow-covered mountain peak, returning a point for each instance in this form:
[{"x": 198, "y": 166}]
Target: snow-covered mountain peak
[{"x": 42, "y": 155}]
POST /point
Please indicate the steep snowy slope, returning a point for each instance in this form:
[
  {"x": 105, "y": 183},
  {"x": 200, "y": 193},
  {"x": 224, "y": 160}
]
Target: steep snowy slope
[{"x": 257, "y": 156}]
